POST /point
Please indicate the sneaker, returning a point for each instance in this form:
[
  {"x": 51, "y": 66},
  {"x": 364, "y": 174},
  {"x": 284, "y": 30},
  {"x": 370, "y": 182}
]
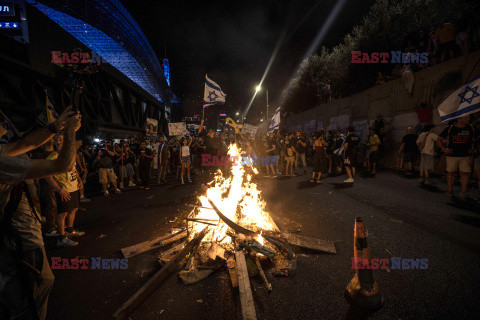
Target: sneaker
[
  {"x": 84, "y": 199},
  {"x": 66, "y": 242},
  {"x": 319, "y": 181},
  {"x": 183, "y": 182},
  {"x": 120, "y": 185},
  {"x": 52, "y": 233},
  {"x": 311, "y": 180},
  {"x": 106, "y": 193},
  {"x": 118, "y": 191},
  {"x": 349, "y": 180},
  {"x": 421, "y": 180},
  {"x": 189, "y": 180},
  {"x": 131, "y": 184},
  {"x": 147, "y": 188},
  {"x": 75, "y": 233}
]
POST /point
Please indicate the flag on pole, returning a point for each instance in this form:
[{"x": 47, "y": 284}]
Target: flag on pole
[
  {"x": 462, "y": 102},
  {"x": 52, "y": 115},
  {"x": 48, "y": 115},
  {"x": 275, "y": 122},
  {"x": 339, "y": 151},
  {"x": 213, "y": 93}
]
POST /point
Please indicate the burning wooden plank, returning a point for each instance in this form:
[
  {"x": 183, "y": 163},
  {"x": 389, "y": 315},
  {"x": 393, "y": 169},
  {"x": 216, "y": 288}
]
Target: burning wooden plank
[
  {"x": 310, "y": 243},
  {"x": 232, "y": 271},
  {"x": 158, "y": 278},
  {"x": 153, "y": 244},
  {"x": 246, "y": 297},
  {"x": 262, "y": 274},
  {"x": 169, "y": 254},
  {"x": 229, "y": 222}
]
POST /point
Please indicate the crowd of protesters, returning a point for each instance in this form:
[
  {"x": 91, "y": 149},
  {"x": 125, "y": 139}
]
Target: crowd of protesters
[{"x": 139, "y": 163}]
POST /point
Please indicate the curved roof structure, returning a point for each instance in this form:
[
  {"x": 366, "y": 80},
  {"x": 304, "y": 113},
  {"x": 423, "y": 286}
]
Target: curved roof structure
[{"x": 107, "y": 28}]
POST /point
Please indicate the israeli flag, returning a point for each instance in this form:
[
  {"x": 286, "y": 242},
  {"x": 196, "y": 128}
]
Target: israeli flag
[
  {"x": 275, "y": 122},
  {"x": 340, "y": 150},
  {"x": 462, "y": 102},
  {"x": 213, "y": 94}
]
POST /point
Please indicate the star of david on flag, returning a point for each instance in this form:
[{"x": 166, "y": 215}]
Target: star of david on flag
[
  {"x": 464, "y": 101},
  {"x": 213, "y": 93}
]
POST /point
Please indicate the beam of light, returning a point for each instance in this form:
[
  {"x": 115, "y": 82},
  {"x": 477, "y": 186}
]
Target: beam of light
[
  {"x": 305, "y": 18},
  {"x": 320, "y": 35},
  {"x": 270, "y": 62}
]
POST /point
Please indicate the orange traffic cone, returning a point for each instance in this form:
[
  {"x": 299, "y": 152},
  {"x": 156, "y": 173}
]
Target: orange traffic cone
[{"x": 362, "y": 289}]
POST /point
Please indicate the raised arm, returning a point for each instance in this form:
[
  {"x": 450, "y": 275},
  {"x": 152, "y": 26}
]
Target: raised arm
[
  {"x": 41, "y": 168},
  {"x": 38, "y": 137}
]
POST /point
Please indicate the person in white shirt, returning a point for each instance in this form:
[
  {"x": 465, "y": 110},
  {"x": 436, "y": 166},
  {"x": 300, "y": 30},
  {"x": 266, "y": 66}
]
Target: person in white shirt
[
  {"x": 426, "y": 145},
  {"x": 185, "y": 158}
]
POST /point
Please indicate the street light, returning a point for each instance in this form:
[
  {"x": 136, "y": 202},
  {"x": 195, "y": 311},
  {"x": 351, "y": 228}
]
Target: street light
[
  {"x": 237, "y": 113},
  {"x": 258, "y": 88}
]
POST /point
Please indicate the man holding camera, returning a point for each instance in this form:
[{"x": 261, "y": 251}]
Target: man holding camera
[{"x": 104, "y": 163}]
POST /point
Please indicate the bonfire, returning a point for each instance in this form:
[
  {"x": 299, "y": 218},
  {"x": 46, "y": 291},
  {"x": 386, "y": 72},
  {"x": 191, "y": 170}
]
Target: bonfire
[
  {"x": 237, "y": 198},
  {"x": 230, "y": 228}
]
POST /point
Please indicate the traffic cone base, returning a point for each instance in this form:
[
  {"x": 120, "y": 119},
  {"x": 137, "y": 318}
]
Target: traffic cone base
[{"x": 372, "y": 300}]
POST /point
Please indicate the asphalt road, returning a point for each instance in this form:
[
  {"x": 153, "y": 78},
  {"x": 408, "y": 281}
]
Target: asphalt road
[{"x": 402, "y": 219}]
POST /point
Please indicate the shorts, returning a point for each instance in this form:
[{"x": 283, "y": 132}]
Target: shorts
[
  {"x": 410, "y": 157},
  {"x": 126, "y": 171},
  {"x": 373, "y": 156},
  {"x": 426, "y": 162},
  {"x": 461, "y": 164},
  {"x": 105, "y": 175},
  {"x": 69, "y": 205},
  {"x": 186, "y": 160},
  {"x": 290, "y": 159},
  {"x": 350, "y": 160}
]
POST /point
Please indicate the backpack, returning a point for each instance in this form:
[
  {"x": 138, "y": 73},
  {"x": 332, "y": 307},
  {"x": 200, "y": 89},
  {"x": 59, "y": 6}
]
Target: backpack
[{"x": 422, "y": 143}]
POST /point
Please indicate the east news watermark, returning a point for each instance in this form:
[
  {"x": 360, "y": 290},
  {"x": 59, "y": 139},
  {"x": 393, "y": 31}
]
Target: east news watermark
[
  {"x": 209, "y": 160},
  {"x": 389, "y": 57},
  {"x": 94, "y": 263},
  {"x": 76, "y": 57},
  {"x": 392, "y": 263}
]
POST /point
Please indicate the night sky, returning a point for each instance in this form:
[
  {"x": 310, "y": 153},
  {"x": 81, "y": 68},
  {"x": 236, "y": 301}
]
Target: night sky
[{"x": 232, "y": 42}]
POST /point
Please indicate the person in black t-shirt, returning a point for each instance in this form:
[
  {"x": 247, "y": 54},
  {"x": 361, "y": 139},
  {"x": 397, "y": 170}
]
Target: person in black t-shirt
[
  {"x": 410, "y": 150},
  {"x": 351, "y": 151},
  {"x": 457, "y": 142},
  {"x": 145, "y": 156},
  {"x": 289, "y": 154},
  {"x": 300, "y": 148},
  {"x": 272, "y": 153}
]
